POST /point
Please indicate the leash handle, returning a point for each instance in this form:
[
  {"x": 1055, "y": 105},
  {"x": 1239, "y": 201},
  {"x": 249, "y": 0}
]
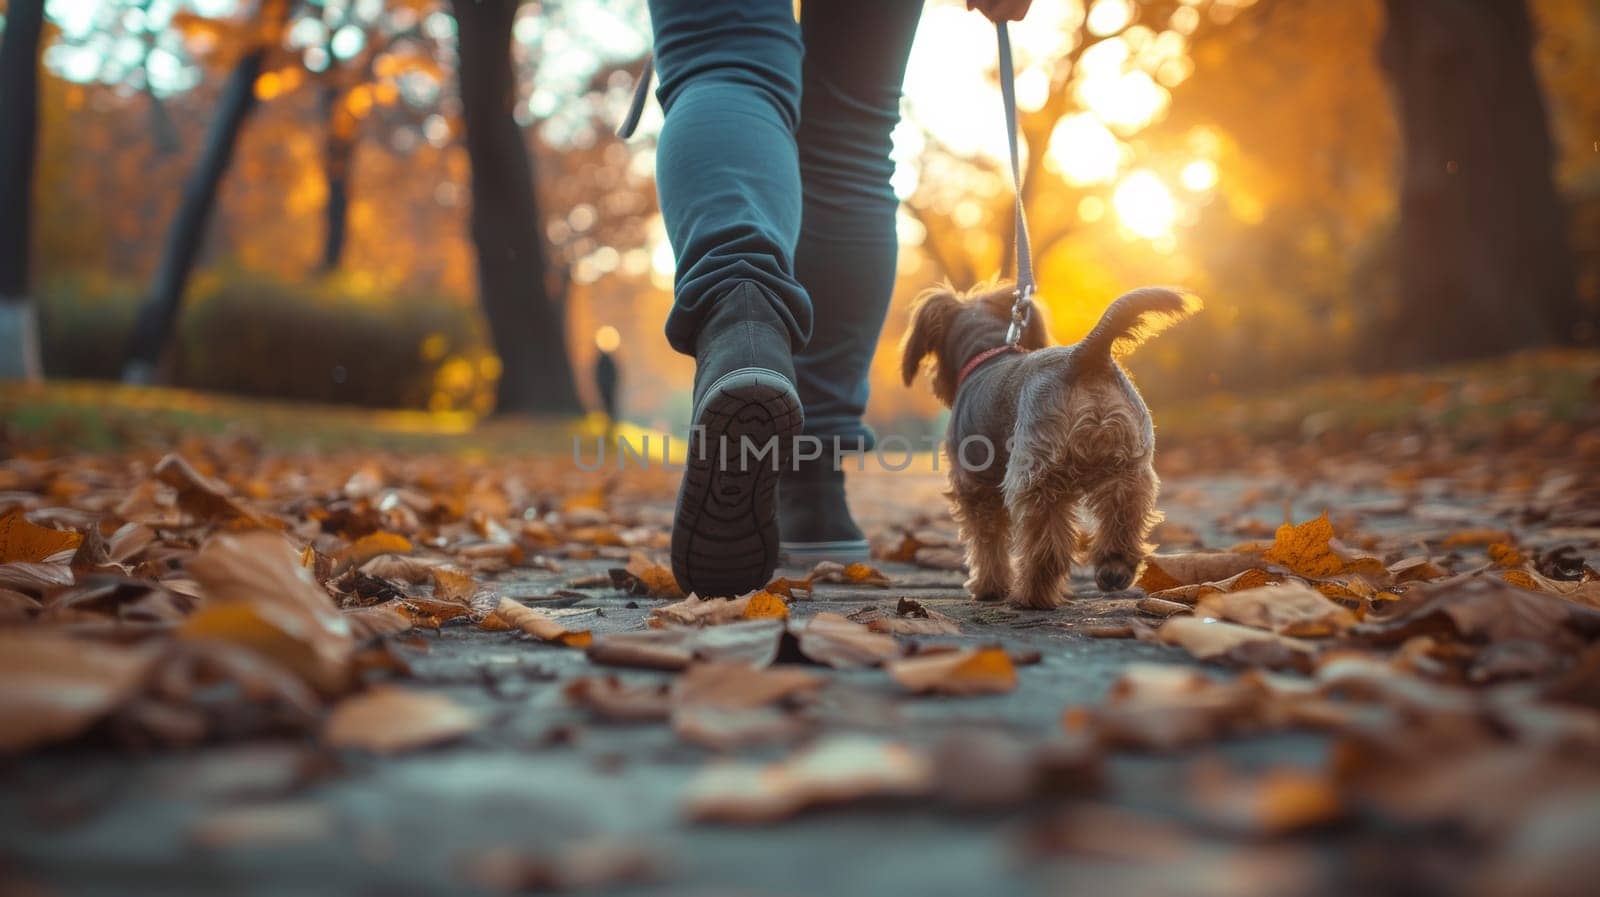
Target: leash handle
[
  {"x": 1022, "y": 309},
  {"x": 641, "y": 93}
]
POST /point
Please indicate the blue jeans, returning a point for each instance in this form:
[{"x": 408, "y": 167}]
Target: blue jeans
[{"x": 773, "y": 167}]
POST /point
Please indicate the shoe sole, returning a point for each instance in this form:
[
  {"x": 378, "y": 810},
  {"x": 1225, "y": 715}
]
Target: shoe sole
[{"x": 725, "y": 532}]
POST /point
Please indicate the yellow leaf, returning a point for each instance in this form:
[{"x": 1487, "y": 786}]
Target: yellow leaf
[
  {"x": 22, "y": 540},
  {"x": 1304, "y": 548},
  {"x": 765, "y": 605}
]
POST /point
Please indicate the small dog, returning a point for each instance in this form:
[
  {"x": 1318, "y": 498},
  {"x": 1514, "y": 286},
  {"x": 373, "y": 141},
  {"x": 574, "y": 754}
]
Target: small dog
[{"x": 1034, "y": 431}]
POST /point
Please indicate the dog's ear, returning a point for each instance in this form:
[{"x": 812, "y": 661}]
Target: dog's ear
[{"x": 931, "y": 312}]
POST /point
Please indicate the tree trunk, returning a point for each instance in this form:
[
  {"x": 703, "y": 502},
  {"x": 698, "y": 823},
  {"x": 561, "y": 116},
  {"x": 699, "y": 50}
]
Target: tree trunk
[
  {"x": 158, "y": 317},
  {"x": 526, "y": 326},
  {"x": 1484, "y": 263},
  {"x": 19, "y": 116},
  {"x": 337, "y": 153}
]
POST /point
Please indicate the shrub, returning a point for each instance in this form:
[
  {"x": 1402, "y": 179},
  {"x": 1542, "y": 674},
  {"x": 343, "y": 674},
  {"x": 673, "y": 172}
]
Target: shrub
[{"x": 335, "y": 340}]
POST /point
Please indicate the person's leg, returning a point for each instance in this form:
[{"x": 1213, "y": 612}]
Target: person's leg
[
  {"x": 855, "y": 61},
  {"x": 729, "y": 184},
  {"x": 726, "y": 167}
]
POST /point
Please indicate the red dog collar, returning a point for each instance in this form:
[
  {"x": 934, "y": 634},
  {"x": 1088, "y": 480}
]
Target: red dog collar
[{"x": 982, "y": 357}]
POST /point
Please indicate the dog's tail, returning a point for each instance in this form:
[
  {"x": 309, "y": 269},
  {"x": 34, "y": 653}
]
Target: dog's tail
[{"x": 1135, "y": 317}]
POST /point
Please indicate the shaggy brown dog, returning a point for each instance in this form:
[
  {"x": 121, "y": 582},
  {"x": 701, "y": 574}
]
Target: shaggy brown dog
[{"x": 1034, "y": 433}]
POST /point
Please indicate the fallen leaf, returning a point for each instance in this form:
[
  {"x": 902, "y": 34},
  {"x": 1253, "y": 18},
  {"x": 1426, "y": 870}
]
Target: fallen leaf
[
  {"x": 752, "y": 643},
  {"x": 971, "y": 671},
  {"x": 1168, "y": 571},
  {"x": 734, "y": 686},
  {"x": 22, "y": 540},
  {"x": 540, "y": 625},
  {"x": 591, "y": 864},
  {"x": 388, "y": 719},
  {"x": 765, "y": 606},
  {"x": 911, "y": 617},
  {"x": 259, "y": 598},
  {"x": 697, "y": 611},
  {"x": 1208, "y": 639},
  {"x": 1189, "y": 594},
  {"x": 643, "y": 576},
  {"x": 52, "y": 688},
  {"x": 371, "y": 546},
  {"x": 621, "y": 700},
  {"x": 1275, "y": 801},
  {"x": 378, "y": 621},
  {"x": 204, "y": 497},
  {"x": 1287, "y": 608},
  {"x": 837, "y": 770},
  {"x": 834, "y": 641},
  {"x": 452, "y": 584},
  {"x": 858, "y": 574},
  {"x": 401, "y": 568},
  {"x": 1306, "y": 549},
  {"x": 1483, "y": 609}
]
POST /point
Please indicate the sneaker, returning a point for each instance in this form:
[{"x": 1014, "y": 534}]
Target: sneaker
[
  {"x": 814, "y": 522},
  {"x": 746, "y": 415}
]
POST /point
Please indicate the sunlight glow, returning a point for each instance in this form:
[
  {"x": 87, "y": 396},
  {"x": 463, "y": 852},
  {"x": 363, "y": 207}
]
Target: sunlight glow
[
  {"x": 1199, "y": 175},
  {"x": 1108, "y": 17},
  {"x": 1083, "y": 151},
  {"x": 607, "y": 339},
  {"x": 1144, "y": 205}
]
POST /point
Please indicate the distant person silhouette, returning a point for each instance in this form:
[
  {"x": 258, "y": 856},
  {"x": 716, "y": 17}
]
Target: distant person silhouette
[{"x": 606, "y": 375}]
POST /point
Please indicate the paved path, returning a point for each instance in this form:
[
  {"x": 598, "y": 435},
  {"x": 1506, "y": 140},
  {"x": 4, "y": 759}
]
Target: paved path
[{"x": 544, "y": 775}]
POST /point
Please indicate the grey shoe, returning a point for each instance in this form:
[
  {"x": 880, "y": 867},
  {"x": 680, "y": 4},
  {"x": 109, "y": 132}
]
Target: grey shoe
[
  {"x": 814, "y": 522},
  {"x": 746, "y": 415}
]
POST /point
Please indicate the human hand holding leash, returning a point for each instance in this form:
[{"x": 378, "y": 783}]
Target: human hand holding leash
[{"x": 1001, "y": 10}]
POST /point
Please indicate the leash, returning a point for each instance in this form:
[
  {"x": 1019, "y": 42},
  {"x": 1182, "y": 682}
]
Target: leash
[
  {"x": 1022, "y": 307},
  {"x": 641, "y": 93}
]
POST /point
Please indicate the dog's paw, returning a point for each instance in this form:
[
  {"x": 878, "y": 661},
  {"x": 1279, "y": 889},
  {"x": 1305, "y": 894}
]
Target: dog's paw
[
  {"x": 986, "y": 589},
  {"x": 1113, "y": 575}
]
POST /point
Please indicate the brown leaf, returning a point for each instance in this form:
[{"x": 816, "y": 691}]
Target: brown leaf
[
  {"x": 22, "y": 540},
  {"x": 734, "y": 686},
  {"x": 911, "y": 617},
  {"x": 53, "y": 688},
  {"x": 33, "y": 577},
  {"x": 643, "y": 576},
  {"x": 834, "y": 641},
  {"x": 540, "y": 625},
  {"x": 1190, "y": 594},
  {"x": 259, "y": 598},
  {"x": 621, "y": 700},
  {"x": 1482, "y": 609},
  {"x": 378, "y": 621},
  {"x": 452, "y": 584},
  {"x": 1169, "y": 571},
  {"x": 971, "y": 671},
  {"x": 1276, "y": 801},
  {"x": 203, "y": 497},
  {"x": 697, "y": 611},
  {"x": 402, "y": 568},
  {"x": 753, "y": 643},
  {"x": 1209, "y": 639},
  {"x": 388, "y": 719},
  {"x": 368, "y": 547},
  {"x": 837, "y": 770},
  {"x": 1287, "y": 608}
]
